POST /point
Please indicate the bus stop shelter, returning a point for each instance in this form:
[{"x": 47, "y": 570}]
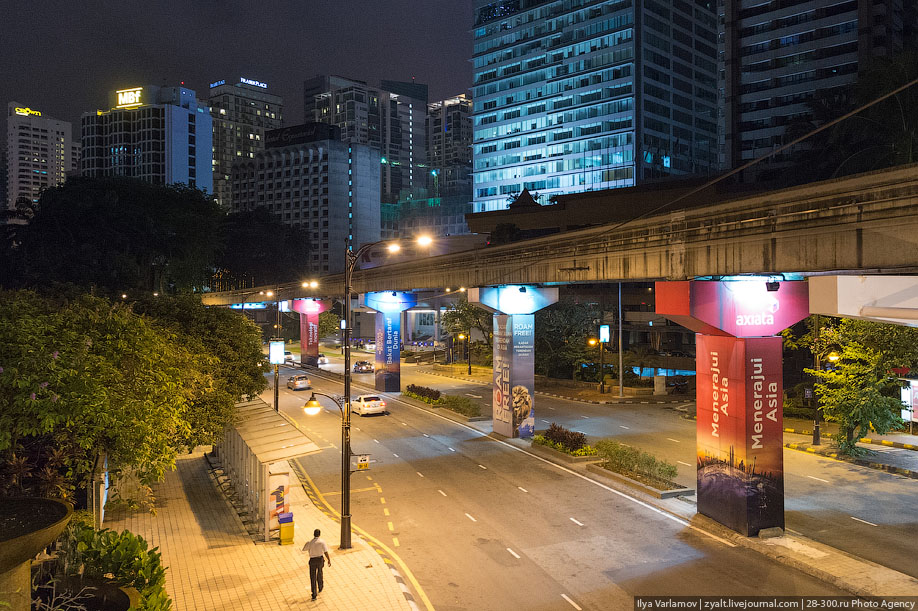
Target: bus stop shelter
[{"x": 252, "y": 452}]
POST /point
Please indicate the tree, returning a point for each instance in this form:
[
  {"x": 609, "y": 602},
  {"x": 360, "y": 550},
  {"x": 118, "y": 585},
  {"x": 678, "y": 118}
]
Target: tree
[
  {"x": 84, "y": 378},
  {"x": 463, "y": 316},
  {"x": 259, "y": 249},
  {"x": 227, "y": 348},
  {"x": 329, "y": 324},
  {"x": 860, "y": 392},
  {"x": 118, "y": 235},
  {"x": 561, "y": 333}
]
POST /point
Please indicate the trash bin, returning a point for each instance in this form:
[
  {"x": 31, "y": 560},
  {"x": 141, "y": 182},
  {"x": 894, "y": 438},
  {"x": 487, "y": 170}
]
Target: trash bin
[{"x": 286, "y": 528}]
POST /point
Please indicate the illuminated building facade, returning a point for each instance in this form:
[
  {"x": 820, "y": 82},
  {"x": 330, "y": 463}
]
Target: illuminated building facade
[
  {"x": 39, "y": 153},
  {"x": 162, "y": 135},
  {"x": 390, "y": 118},
  {"x": 580, "y": 95},
  {"x": 310, "y": 179},
  {"x": 242, "y": 111},
  {"x": 449, "y": 146}
]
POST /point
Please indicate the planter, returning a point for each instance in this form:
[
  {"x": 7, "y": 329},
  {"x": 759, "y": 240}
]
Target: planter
[
  {"x": 27, "y": 526},
  {"x": 660, "y": 494},
  {"x": 553, "y": 454},
  {"x": 91, "y": 594}
]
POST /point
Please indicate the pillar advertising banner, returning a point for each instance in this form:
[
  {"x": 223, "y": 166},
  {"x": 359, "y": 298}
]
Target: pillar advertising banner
[
  {"x": 740, "y": 450},
  {"x": 388, "y": 350},
  {"x": 514, "y": 381},
  {"x": 309, "y": 310}
]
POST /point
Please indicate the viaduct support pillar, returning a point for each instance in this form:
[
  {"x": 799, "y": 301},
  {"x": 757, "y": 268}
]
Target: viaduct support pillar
[{"x": 389, "y": 306}]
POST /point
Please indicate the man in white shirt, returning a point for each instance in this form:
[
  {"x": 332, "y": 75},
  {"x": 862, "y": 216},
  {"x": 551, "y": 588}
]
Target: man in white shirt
[{"x": 316, "y": 547}]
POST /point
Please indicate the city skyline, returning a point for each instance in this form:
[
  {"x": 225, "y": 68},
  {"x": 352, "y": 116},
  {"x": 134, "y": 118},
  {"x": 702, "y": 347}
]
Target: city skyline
[{"x": 200, "y": 43}]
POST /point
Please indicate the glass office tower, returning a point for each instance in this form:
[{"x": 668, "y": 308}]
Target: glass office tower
[{"x": 579, "y": 95}]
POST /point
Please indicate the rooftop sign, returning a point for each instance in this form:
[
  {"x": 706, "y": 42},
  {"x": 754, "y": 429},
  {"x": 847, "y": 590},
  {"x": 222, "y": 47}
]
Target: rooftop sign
[
  {"x": 248, "y": 81},
  {"x": 128, "y": 98},
  {"x": 25, "y": 112}
]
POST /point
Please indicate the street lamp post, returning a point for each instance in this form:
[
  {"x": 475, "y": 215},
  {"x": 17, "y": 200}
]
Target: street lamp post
[
  {"x": 468, "y": 348},
  {"x": 312, "y": 408}
]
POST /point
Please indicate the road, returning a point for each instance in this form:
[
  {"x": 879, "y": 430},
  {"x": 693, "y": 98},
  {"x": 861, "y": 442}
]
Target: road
[{"x": 483, "y": 525}]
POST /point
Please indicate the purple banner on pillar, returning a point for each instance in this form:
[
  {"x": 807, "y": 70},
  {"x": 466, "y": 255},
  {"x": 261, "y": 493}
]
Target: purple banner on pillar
[
  {"x": 514, "y": 383},
  {"x": 388, "y": 351}
]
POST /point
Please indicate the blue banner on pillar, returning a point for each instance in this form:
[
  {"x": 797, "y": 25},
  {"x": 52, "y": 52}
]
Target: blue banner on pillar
[
  {"x": 514, "y": 380},
  {"x": 388, "y": 351}
]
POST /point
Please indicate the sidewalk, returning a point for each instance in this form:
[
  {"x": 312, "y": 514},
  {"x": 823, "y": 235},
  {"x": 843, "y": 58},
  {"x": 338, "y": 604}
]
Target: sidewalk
[{"x": 214, "y": 564}]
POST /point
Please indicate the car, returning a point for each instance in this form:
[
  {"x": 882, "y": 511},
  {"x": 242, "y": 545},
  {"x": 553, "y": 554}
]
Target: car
[
  {"x": 368, "y": 404},
  {"x": 322, "y": 360},
  {"x": 299, "y": 382},
  {"x": 288, "y": 357},
  {"x": 363, "y": 367}
]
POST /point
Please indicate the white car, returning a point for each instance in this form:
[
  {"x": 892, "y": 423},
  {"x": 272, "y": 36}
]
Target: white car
[
  {"x": 288, "y": 357},
  {"x": 323, "y": 360},
  {"x": 368, "y": 404}
]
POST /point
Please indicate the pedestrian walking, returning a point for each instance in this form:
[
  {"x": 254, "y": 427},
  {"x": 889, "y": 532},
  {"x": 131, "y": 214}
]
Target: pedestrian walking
[{"x": 316, "y": 547}]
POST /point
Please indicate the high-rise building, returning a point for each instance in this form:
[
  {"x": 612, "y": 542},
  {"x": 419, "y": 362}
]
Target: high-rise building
[
  {"x": 390, "y": 118},
  {"x": 449, "y": 146},
  {"x": 39, "y": 153},
  {"x": 779, "y": 56},
  {"x": 162, "y": 135},
  {"x": 309, "y": 178},
  {"x": 580, "y": 96},
  {"x": 242, "y": 111}
]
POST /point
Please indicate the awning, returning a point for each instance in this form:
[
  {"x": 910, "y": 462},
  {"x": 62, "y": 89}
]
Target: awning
[{"x": 269, "y": 435}]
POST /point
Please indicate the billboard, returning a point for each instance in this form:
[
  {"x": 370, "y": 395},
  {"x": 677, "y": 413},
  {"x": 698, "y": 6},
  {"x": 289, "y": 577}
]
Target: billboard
[
  {"x": 514, "y": 381},
  {"x": 276, "y": 352},
  {"x": 740, "y": 440},
  {"x": 389, "y": 306}
]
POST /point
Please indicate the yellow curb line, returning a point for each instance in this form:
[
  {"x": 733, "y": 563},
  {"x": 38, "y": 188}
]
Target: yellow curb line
[{"x": 401, "y": 563}]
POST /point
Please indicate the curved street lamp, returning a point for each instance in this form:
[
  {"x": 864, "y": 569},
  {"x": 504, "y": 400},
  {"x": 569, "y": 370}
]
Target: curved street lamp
[{"x": 313, "y": 407}]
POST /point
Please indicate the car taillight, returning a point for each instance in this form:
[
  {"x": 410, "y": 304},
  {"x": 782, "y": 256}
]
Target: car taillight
[{"x": 383, "y": 403}]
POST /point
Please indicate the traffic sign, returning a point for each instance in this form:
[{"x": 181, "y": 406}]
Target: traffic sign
[{"x": 363, "y": 462}]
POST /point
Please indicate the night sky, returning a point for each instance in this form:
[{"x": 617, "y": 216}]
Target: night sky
[{"x": 62, "y": 56}]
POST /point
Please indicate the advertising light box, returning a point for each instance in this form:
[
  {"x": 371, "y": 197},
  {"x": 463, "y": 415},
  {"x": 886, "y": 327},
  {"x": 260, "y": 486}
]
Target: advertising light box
[{"x": 276, "y": 352}]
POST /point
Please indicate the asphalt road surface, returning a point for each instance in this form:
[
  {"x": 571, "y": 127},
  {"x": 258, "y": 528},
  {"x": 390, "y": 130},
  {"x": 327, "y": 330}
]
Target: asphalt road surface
[{"x": 483, "y": 525}]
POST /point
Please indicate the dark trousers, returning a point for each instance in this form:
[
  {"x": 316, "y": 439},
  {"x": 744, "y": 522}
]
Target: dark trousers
[{"x": 315, "y": 574}]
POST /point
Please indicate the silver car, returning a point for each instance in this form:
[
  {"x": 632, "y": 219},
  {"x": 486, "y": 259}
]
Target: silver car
[{"x": 299, "y": 382}]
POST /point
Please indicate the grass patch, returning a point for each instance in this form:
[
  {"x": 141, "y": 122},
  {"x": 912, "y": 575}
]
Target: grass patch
[
  {"x": 584, "y": 450},
  {"x": 461, "y": 405}
]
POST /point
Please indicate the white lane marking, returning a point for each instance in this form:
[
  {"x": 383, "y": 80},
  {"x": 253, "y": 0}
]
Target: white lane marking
[
  {"x": 403, "y": 424},
  {"x": 523, "y": 489},
  {"x": 622, "y": 426},
  {"x": 551, "y": 408},
  {"x": 585, "y": 417},
  {"x": 419, "y": 473},
  {"x": 471, "y": 518},
  {"x": 473, "y": 396},
  {"x": 576, "y": 522},
  {"x": 573, "y": 604},
  {"x": 357, "y": 428},
  {"x": 683, "y": 463},
  {"x": 513, "y": 553},
  {"x": 395, "y": 455},
  {"x": 376, "y": 440},
  {"x": 483, "y": 467},
  {"x": 674, "y": 440},
  {"x": 425, "y": 435},
  {"x": 550, "y": 464},
  {"x": 451, "y": 450},
  {"x": 818, "y": 479},
  {"x": 546, "y": 421},
  {"x": 864, "y": 521},
  {"x": 441, "y": 492}
]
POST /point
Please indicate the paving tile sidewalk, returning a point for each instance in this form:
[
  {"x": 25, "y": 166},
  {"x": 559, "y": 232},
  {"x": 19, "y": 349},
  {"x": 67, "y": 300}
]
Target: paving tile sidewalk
[{"x": 214, "y": 564}]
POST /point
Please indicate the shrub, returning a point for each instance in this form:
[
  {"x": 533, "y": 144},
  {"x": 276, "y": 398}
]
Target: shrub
[
  {"x": 572, "y": 440},
  {"x": 625, "y": 459},
  {"x": 586, "y": 450},
  {"x": 125, "y": 556},
  {"x": 462, "y": 405},
  {"x": 428, "y": 395}
]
